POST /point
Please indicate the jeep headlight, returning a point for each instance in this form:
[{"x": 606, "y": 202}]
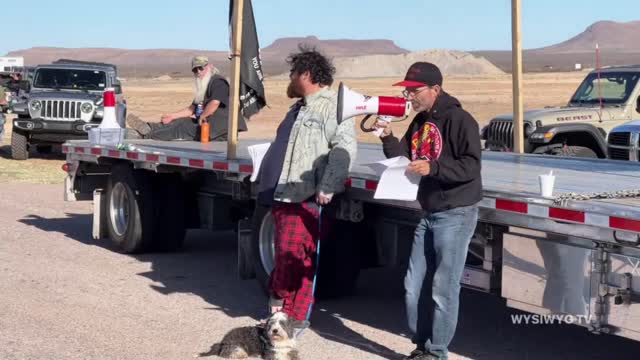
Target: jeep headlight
[
  {"x": 86, "y": 108},
  {"x": 36, "y": 105}
]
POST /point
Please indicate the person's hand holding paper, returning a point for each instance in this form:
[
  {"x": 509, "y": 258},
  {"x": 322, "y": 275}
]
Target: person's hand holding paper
[
  {"x": 396, "y": 182},
  {"x": 420, "y": 167}
]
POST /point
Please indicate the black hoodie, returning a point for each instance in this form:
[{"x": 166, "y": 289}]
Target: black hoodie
[{"x": 449, "y": 138}]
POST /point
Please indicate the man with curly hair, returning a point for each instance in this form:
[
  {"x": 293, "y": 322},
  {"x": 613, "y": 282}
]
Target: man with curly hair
[{"x": 305, "y": 166}]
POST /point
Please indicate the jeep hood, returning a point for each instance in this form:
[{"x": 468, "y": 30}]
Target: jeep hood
[
  {"x": 64, "y": 95},
  {"x": 560, "y": 114}
]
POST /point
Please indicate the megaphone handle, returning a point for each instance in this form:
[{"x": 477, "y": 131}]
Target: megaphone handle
[{"x": 362, "y": 124}]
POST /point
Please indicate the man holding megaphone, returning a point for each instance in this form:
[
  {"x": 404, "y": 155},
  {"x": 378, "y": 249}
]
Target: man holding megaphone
[{"x": 443, "y": 144}]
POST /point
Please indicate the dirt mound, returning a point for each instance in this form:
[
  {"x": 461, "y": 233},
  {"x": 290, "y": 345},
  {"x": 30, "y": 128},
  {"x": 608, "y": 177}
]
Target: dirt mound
[
  {"x": 450, "y": 63},
  {"x": 163, "y": 78}
]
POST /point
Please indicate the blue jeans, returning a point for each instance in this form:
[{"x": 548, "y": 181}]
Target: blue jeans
[{"x": 432, "y": 282}]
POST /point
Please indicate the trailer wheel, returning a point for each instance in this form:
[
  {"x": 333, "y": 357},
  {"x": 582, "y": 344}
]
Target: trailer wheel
[
  {"x": 19, "y": 145},
  {"x": 262, "y": 244},
  {"x": 129, "y": 209},
  {"x": 339, "y": 257}
]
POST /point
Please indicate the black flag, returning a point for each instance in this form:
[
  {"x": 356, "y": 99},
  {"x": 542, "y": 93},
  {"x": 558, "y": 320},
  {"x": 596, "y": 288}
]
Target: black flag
[{"x": 252, "y": 97}]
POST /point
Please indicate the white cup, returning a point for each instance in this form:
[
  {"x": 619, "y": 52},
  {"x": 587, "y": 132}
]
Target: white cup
[{"x": 546, "y": 184}]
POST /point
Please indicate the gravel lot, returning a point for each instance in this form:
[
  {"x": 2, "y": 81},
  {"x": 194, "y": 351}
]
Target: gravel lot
[{"x": 66, "y": 296}]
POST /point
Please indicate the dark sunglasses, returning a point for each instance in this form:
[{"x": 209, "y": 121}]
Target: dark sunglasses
[{"x": 197, "y": 69}]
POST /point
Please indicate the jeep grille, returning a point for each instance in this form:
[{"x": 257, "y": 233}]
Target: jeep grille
[
  {"x": 60, "y": 110},
  {"x": 500, "y": 135}
]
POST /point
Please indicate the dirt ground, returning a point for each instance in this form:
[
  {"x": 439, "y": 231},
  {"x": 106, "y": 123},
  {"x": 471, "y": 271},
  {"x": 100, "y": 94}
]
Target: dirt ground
[
  {"x": 483, "y": 96},
  {"x": 66, "y": 296}
]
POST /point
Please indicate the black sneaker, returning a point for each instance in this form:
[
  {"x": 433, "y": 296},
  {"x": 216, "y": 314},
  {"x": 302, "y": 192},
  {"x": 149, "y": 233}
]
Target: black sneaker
[{"x": 425, "y": 356}]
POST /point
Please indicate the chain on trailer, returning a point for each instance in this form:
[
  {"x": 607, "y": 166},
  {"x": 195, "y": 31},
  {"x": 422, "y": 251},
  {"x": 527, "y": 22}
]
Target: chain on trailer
[{"x": 561, "y": 200}]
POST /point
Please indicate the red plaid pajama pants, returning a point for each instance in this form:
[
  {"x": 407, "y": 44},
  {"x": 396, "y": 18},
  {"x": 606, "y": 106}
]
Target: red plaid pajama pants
[{"x": 296, "y": 240}]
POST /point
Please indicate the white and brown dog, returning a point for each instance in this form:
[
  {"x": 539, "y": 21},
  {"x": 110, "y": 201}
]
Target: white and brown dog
[{"x": 271, "y": 341}]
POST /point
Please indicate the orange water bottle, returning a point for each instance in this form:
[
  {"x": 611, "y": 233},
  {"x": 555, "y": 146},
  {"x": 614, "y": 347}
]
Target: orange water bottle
[{"x": 204, "y": 132}]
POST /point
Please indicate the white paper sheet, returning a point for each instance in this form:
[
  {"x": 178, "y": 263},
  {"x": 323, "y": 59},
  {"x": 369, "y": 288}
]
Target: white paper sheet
[
  {"x": 257, "y": 153},
  {"x": 395, "y": 182}
]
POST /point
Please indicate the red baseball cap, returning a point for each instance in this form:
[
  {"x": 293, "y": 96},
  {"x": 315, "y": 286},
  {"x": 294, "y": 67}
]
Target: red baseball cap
[{"x": 421, "y": 74}]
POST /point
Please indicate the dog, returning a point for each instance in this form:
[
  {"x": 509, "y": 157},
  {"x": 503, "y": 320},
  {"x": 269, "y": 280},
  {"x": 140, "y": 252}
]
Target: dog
[{"x": 271, "y": 341}]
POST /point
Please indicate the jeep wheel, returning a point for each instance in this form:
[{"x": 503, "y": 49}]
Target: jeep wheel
[
  {"x": 574, "y": 151},
  {"x": 19, "y": 145}
]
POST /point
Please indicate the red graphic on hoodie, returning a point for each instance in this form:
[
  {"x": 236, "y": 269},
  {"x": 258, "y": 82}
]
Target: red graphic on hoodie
[{"x": 426, "y": 143}]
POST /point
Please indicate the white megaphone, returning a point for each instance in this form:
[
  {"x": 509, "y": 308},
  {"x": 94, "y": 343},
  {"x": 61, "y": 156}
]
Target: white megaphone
[
  {"x": 351, "y": 103},
  {"x": 109, "y": 120}
]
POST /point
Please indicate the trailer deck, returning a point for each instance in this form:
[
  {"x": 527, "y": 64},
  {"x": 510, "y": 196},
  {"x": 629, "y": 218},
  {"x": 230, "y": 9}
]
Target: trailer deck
[{"x": 510, "y": 180}]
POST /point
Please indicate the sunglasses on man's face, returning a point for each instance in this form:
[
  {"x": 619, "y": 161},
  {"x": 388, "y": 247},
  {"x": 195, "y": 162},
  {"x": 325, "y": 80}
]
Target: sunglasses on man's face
[
  {"x": 197, "y": 69},
  {"x": 413, "y": 91}
]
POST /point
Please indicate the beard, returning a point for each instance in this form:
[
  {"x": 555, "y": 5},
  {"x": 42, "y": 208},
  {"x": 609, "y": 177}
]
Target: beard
[
  {"x": 293, "y": 91},
  {"x": 201, "y": 85}
]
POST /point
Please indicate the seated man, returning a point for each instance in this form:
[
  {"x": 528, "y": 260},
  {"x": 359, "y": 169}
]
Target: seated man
[{"x": 212, "y": 91}]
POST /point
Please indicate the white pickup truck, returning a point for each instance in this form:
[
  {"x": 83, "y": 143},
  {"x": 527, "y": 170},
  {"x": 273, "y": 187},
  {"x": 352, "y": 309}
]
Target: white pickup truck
[{"x": 576, "y": 254}]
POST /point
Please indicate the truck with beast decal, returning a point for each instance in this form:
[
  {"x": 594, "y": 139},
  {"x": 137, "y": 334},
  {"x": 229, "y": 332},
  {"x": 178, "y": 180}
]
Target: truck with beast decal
[{"x": 605, "y": 99}]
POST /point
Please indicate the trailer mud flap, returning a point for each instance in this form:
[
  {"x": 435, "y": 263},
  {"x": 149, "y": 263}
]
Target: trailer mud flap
[
  {"x": 245, "y": 257},
  {"x": 544, "y": 276},
  {"x": 99, "y": 229}
]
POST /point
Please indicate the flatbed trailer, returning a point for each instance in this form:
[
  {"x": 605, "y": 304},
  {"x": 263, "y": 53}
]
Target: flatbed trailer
[{"x": 578, "y": 257}]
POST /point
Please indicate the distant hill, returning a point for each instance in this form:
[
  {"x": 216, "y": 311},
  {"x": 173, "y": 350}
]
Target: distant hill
[
  {"x": 335, "y": 48},
  {"x": 619, "y": 44},
  {"x": 609, "y": 35},
  {"x": 175, "y": 62}
]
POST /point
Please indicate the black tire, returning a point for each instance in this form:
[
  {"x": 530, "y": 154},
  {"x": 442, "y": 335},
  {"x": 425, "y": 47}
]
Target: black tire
[
  {"x": 19, "y": 145},
  {"x": 130, "y": 209},
  {"x": 340, "y": 260},
  {"x": 262, "y": 267},
  {"x": 169, "y": 206},
  {"x": 44, "y": 149},
  {"x": 575, "y": 151},
  {"x": 339, "y": 264}
]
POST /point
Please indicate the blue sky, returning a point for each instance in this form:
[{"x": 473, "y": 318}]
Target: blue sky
[{"x": 202, "y": 24}]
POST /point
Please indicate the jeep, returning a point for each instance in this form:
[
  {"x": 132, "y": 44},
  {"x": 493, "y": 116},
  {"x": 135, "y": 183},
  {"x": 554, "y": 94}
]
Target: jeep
[
  {"x": 63, "y": 101},
  {"x": 579, "y": 128}
]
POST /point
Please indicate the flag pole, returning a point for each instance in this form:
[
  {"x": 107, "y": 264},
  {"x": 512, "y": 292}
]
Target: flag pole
[
  {"x": 516, "y": 74},
  {"x": 236, "y": 28},
  {"x": 599, "y": 85}
]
